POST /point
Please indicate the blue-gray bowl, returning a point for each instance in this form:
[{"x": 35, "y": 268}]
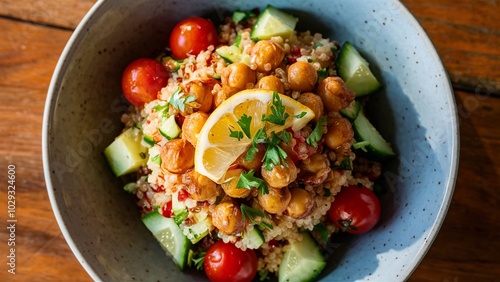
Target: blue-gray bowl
[{"x": 415, "y": 111}]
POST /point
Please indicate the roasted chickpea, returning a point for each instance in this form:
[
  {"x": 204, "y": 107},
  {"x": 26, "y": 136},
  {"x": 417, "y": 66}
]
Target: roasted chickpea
[
  {"x": 335, "y": 94},
  {"x": 280, "y": 175},
  {"x": 266, "y": 55},
  {"x": 223, "y": 94},
  {"x": 275, "y": 201},
  {"x": 238, "y": 76},
  {"x": 313, "y": 102},
  {"x": 302, "y": 76},
  {"x": 227, "y": 217},
  {"x": 301, "y": 205},
  {"x": 192, "y": 126},
  {"x": 202, "y": 90},
  {"x": 272, "y": 83},
  {"x": 177, "y": 156},
  {"x": 314, "y": 170},
  {"x": 230, "y": 188},
  {"x": 199, "y": 187},
  {"x": 255, "y": 163},
  {"x": 339, "y": 132}
]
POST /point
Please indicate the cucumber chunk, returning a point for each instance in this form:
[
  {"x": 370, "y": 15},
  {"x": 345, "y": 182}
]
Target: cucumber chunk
[
  {"x": 254, "y": 238},
  {"x": 273, "y": 22},
  {"x": 169, "y": 128},
  {"x": 374, "y": 144},
  {"x": 352, "y": 111},
  {"x": 126, "y": 154},
  {"x": 355, "y": 71},
  {"x": 233, "y": 54},
  {"x": 302, "y": 261},
  {"x": 170, "y": 237}
]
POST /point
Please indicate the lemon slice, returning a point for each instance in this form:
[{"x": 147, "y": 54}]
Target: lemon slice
[{"x": 216, "y": 150}]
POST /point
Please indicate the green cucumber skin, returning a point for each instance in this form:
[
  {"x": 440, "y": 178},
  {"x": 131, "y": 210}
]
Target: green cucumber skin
[
  {"x": 272, "y": 11},
  {"x": 348, "y": 55},
  {"x": 352, "y": 111},
  {"x": 155, "y": 222},
  {"x": 379, "y": 149}
]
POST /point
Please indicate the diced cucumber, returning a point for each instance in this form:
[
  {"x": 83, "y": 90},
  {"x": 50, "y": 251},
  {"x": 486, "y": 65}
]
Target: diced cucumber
[
  {"x": 273, "y": 22},
  {"x": 126, "y": 154},
  {"x": 355, "y": 71},
  {"x": 233, "y": 54},
  {"x": 254, "y": 238},
  {"x": 171, "y": 64},
  {"x": 197, "y": 231},
  {"x": 170, "y": 237},
  {"x": 148, "y": 140},
  {"x": 302, "y": 261},
  {"x": 169, "y": 128},
  {"x": 374, "y": 144},
  {"x": 179, "y": 209},
  {"x": 352, "y": 111}
]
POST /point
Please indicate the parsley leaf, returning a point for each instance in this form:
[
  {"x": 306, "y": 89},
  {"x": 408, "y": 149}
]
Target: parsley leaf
[
  {"x": 251, "y": 213},
  {"x": 286, "y": 136},
  {"x": 318, "y": 132},
  {"x": 159, "y": 108},
  {"x": 248, "y": 181},
  {"x": 178, "y": 100},
  {"x": 235, "y": 134},
  {"x": 345, "y": 164},
  {"x": 260, "y": 137},
  {"x": 198, "y": 262},
  {"x": 275, "y": 155},
  {"x": 239, "y": 15},
  {"x": 278, "y": 115},
  {"x": 244, "y": 122},
  {"x": 301, "y": 115}
]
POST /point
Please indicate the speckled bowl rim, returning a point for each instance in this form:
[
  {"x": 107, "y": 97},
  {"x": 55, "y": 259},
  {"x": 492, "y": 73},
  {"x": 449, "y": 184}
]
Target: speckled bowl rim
[{"x": 52, "y": 95}]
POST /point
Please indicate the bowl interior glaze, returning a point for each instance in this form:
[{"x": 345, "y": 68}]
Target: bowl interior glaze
[{"x": 415, "y": 110}]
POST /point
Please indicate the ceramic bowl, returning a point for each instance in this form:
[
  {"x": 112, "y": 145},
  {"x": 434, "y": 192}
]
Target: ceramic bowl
[{"x": 415, "y": 111}]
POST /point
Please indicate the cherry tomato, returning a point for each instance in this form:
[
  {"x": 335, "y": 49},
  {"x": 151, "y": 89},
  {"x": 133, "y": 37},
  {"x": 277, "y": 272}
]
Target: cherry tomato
[
  {"x": 225, "y": 262},
  {"x": 356, "y": 209},
  {"x": 191, "y": 36},
  {"x": 142, "y": 80}
]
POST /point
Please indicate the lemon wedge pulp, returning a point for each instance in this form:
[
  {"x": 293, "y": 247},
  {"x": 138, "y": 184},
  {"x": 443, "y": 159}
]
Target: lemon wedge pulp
[{"x": 216, "y": 150}]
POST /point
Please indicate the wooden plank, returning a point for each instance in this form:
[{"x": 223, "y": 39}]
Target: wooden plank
[
  {"x": 60, "y": 13},
  {"x": 466, "y": 35},
  {"x": 27, "y": 59},
  {"x": 467, "y": 244}
]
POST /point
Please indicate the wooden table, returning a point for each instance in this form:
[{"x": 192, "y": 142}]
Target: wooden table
[{"x": 466, "y": 34}]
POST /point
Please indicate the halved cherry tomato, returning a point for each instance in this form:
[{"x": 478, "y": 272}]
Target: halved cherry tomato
[
  {"x": 142, "y": 80},
  {"x": 191, "y": 36},
  {"x": 226, "y": 262},
  {"x": 356, "y": 209}
]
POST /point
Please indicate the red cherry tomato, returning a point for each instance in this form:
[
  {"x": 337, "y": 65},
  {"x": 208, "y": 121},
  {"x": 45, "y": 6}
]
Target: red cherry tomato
[
  {"x": 356, "y": 209},
  {"x": 225, "y": 262},
  {"x": 142, "y": 80},
  {"x": 191, "y": 36}
]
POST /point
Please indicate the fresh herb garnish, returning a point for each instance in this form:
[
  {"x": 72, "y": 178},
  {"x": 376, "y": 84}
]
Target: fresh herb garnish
[
  {"x": 198, "y": 261},
  {"x": 345, "y": 164},
  {"x": 235, "y": 134},
  {"x": 321, "y": 228},
  {"x": 180, "y": 216},
  {"x": 260, "y": 137},
  {"x": 264, "y": 275},
  {"x": 244, "y": 122},
  {"x": 178, "y": 100},
  {"x": 247, "y": 180},
  {"x": 275, "y": 155},
  {"x": 361, "y": 145},
  {"x": 252, "y": 213},
  {"x": 286, "y": 136},
  {"x": 158, "y": 108},
  {"x": 301, "y": 115},
  {"x": 318, "y": 132},
  {"x": 278, "y": 111}
]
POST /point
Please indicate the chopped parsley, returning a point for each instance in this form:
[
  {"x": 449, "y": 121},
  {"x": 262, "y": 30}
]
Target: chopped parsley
[
  {"x": 278, "y": 111},
  {"x": 252, "y": 213},
  {"x": 244, "y": 122},
  {"x": 239, "y": 16},
  {"x": 178, "y": 100},
  {"x": 361, "y": 145},
  {"x": 156, "y": 159},
  {"x": 260, "y": 137},
  {"x": 247, "y": 180},
  {"x": 198, "y": 261},
  {"x": 286, "y": 136},
  {"x": 345, "y": 164},
  {"x": 235, "y": 134},
  {"x": 161, "y": 108},
  {"x": 275, "y": 155},
  {"x": 318, "y": 132}
]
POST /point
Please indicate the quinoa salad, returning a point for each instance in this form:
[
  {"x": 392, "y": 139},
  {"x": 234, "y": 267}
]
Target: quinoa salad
[{"x": 246, "y": 146}]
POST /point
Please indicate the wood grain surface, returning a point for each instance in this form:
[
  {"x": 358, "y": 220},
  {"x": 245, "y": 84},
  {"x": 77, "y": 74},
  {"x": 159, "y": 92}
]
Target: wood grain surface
[{"x": 466, "y": 34}]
